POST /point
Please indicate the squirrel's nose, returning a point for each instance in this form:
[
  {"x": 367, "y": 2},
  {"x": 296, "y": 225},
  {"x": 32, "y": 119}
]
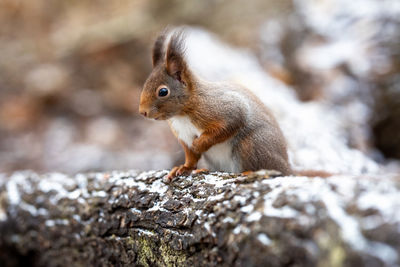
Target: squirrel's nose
[{"x": 143, "y": 111}]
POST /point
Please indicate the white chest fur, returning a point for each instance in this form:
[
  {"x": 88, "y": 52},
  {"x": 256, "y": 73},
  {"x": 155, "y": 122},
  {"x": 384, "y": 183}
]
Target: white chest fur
[
  {"x": 184, "y": 129},
  {"x": 218, "y": 158}
]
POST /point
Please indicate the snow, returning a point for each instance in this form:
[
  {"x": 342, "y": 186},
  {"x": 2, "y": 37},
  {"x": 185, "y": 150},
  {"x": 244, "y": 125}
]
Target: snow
[
  {"x": 241, "y": 229},
  {"x": 32, "y": 209},
  {"x": 74, "y": 194},
  {"x": 216, "y": 197},
  {"x": 236, "y": 230},
  {"x": 254, "y": 217},
  {"x": 264, "y": 239},
  {"x": 135, "y": 210},
  {"x": 99, "y": 194},
  {"x": 208, "y": 228},
  {"x": 198, "y": 212},
  {"x": 56, "y": 182},
  {"x": 76, "y": 217},
  {"x": 131, "y": 181},
  {"x": 176, "y": 233},
  {"x": 12, "y": 190},
  {"x": 228, "y": 220},
  {"x": 215, "y": 180},
  {"x": 52, "y": 223},
  {"x": 383, "y": 251},
  {"x": 241, "y": 199},
  {"x": 348, "y": 224},
  {"x": 385, "y": 198},
  {"x": 247, "y": 209},
  {"x": 381, "y": 196},
  {"x": 158, "y": 186},
  {"x": 158, "y": 206},
  {"x": 269, "y": 199},
  {"x": 144, "y": 232}
]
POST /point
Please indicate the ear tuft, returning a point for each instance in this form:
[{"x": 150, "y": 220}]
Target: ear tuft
[
  {"x": 175, "y": 62},
  {"x": 158, "y": 48}
]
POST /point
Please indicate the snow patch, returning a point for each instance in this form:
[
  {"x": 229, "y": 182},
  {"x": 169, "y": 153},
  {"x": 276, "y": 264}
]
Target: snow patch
[
  {"x": 264, "y": 239},
  {"x": 374, "y": 193},
  {"x": 52, "y": 223},
  {"x": 144, "y": 232},
  {"x": 247, "y": 209},
  {"x": 156, "y": 187},
  {"x": 241, "y": 229},
  {"x": 99, "y": 194},
  {"x": 241, "y": 199},
  {"x": 216, "y": 197},
  {"x": 214, "y": 180},
  {"x": 228, "y": 220},
  {"x": 158, "y": 206},
  {"x": 12, "y": 189},
  {"x": 135, "y": 210},
  {"x": 254, "y": 217},
  {"x": 208, "y": 228}
]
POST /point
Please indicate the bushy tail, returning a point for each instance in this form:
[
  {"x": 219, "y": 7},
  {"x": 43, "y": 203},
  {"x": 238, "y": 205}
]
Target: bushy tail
[{"x": 313, "y": 173}]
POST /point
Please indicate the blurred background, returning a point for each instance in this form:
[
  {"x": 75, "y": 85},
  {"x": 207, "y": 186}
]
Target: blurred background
[{"x": 71, "y": 73}]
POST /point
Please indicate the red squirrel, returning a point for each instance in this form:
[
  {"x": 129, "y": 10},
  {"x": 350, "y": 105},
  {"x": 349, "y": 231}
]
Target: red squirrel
[{"x": 223, "y": 122}]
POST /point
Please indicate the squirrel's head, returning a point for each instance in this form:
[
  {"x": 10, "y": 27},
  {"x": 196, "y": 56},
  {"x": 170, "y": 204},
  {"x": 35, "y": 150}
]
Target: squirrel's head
[{"x": 167, "y": 89}]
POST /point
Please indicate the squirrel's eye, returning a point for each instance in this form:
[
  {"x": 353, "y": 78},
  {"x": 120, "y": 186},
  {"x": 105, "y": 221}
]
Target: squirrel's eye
[{"x": 163, "y": 92}]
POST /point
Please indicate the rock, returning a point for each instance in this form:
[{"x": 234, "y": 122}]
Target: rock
[{"x": 133, "y": 218}]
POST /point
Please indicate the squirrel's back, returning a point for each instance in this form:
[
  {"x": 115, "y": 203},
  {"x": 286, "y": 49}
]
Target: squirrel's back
[{"x": 258, "y": 142}]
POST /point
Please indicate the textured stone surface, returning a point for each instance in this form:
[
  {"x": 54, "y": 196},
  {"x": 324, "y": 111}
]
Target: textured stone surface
[{"x": 126, "y": 218}]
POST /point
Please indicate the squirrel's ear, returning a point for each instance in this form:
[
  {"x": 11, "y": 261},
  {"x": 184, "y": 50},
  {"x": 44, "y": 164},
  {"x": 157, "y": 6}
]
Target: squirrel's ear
[
  {"x": 175, "y": 62},
  {"x": 158, "y": 48}
]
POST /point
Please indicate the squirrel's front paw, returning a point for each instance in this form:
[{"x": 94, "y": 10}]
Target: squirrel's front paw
[{"x": 177, "y": 171}]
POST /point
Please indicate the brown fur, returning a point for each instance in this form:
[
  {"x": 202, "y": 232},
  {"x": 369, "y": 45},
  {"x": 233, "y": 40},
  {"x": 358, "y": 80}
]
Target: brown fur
[
  {"x": 256, "y": 140},
  {"x": 158, "y": 53}
]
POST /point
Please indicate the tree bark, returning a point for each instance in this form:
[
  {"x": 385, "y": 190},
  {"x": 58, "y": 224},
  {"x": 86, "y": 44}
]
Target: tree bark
[{"x": 132, "y": 218}]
